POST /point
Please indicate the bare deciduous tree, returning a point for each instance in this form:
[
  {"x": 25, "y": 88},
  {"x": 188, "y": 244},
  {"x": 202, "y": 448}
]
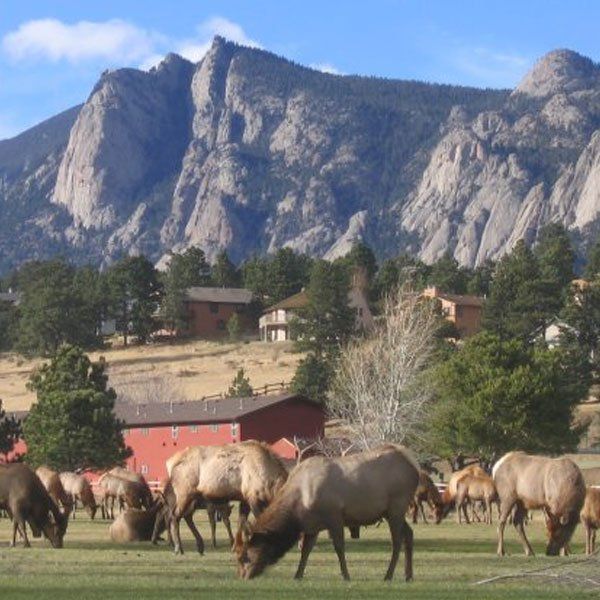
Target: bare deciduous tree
[
  {"x": 150, "y": 390},
  {"x": 379, "y": 389}
]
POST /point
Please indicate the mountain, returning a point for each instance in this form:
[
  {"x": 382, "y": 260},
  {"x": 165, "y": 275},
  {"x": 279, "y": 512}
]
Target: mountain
[{"x": 250, "y": 152}]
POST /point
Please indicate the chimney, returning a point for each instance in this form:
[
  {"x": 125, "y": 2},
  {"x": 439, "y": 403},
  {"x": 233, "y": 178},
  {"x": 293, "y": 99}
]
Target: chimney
[
  {"x": 241, "y": 404},
  {"x": 171, "y": 407}
]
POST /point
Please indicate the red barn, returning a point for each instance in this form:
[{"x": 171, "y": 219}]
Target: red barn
[{"x": 156, "y": 431}]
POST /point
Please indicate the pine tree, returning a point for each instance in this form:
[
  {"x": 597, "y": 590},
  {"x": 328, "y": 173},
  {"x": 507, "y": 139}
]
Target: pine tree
[
  {"x": 72, "y": 424},
  {"x": 447, "y": 275},
  {"x": 240, "y": 386},
  {"x": 313, "y": 378},
  {"x": 287, "y": 274},
  {"x": 592, "y": 267},
  {"x": 10, "y": 432},
  {"x": 224, "y": 272}
]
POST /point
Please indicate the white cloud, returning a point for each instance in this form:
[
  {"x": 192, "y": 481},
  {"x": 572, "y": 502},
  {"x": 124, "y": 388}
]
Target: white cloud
[
  {"x": 194, "y": 49},
  {"x": 52, "y": 40},
  {"x": 326, "y": 68},
  {"x": 498, "y": 69}
]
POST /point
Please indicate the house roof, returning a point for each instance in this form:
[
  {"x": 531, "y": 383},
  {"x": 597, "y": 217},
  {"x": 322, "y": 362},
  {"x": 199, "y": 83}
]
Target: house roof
[
  {"x": 221, "y": 295},
  {"x": 198, "y": 411},
  {"x": 191, "y": 411},
  {"x": 299, "y": 300},
  {"x": 462, "y": 300}
]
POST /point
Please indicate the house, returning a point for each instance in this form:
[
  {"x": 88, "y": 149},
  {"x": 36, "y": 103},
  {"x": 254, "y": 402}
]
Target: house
[
  {"x": 156, "y": 431},
  {"x": 274, "y": 324},
  {"x": 208, "y": 309},
  {"x": 464, "y": 312}
]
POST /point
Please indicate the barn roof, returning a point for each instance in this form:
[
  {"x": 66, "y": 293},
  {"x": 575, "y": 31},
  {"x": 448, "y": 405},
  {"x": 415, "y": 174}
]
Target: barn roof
[
  {"x": 216, "y": 294},
  {"x": 461, "y": 300},
  {"x": 198, "y": 411}
]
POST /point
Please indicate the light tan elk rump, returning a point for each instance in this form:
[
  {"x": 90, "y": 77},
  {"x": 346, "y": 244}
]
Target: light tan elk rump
[
  {"x": 331, "y": 493},
  {"x": 54, "y": 486},
  {"x": 590, "y": 518},
  {"x": 80, "y": 490}
]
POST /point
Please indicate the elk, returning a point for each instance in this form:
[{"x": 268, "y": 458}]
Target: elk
[
  {"x": 126, "y": 492},
  {"x": 26, "y": 500},
  {"x": 473, "y": 488},
  {"x": 554, "y": 485},
  {"x": 427, "y": 492},
  {"x": 331, "y": 493},
  {"x": 135, "y": 525},
  {"x": 590, "y": 518},
  {"x": 54, "y": 486},
  {"x": 79, "y": 489},
  {"x": 248, "y": 472}
]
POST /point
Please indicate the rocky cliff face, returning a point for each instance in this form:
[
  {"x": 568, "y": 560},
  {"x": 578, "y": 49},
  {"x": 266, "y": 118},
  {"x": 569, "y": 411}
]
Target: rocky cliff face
[{"x": 249, "y": 152}]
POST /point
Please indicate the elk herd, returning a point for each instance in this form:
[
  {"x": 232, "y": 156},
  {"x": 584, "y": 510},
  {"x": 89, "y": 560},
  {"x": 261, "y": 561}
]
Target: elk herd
[{"x": 281, "y": 508}]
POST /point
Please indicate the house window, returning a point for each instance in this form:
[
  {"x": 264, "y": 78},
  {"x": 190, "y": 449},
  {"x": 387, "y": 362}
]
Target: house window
[
  {"x": 234, "y": 429},
  {"x": 214, "y": 427},
  {"x": 145, "y": 431},
  {"x": 213, "y": 307},
  {"x": 220, "y": 324},
  {"x": 144, "y": 469},
  {"x": 193, "y": 428},
  {"x": 174, "y": 431}
]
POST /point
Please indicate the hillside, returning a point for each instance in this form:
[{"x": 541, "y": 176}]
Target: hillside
[{"x": 249, "y": 152}]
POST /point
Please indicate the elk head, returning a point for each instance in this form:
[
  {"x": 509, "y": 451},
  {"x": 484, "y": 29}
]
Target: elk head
[{"x": 250, "y": 551}]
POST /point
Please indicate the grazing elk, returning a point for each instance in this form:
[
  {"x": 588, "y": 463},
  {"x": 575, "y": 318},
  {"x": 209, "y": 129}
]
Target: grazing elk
[
  {"x": 554, "y": 485},
  {"x": 330, "y": 493},
  {"x": 143, "y": 490},
  {"x": 135, "y": 525},
  {"x": 248, "y": 472},
  {"x": 427, "y": 492},
  {"x": 26, "y": 500},
  {"x": 473, "y": 488},
  {"x": 132, "y": 494},
  {"x": 590, "y": 518},
  {"x": 54, "y": 486},
  {"x": 79, "y": 489}
]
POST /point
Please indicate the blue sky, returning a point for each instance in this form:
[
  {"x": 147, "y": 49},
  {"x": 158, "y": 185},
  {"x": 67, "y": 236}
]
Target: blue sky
[{"x": 52, "y": 52}]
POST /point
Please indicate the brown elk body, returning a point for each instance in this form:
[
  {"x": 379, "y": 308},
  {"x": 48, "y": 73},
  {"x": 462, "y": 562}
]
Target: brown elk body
[
  {"x": 126, "y": 492},
  {"x": 590, "y": 518},
  {"x": 53, "y": 484},
  {"x": 331, "y": 493},
  {"x": 473, "y": 488},
  {"x": 427, "y": 492},
  {"x": 143, "y": 491},
  {"x": 554, "y": 485},
  {"x": 248, "y": 472},
  {"x": 26, "y": 500},
  {"x": 79, "y": 488},
  {"x": 135, "y": 525}
]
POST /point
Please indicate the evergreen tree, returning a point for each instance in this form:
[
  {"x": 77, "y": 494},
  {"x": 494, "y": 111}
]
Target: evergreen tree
[
  {"x": 447, "y": 275},
  {"x": 592, "y": 267},
  {"x": 481, "y": 279},
  {"x": 515, "y": 306},
  {"x": 287, "y": 274},
  {"x": 240, "y": 386},
  {"x": 135, "y": 293},
  {"x": 328, "y": 321},
  {"x": 400, "y": 271},
  {"x": 224, "y": 272},
  {"x": 10, "y": 432},
  {"x": 313, "y": 378},
  {"x": 362, "y": 256},
  {"x": 72, "y": 424},
  {"x": 52, "y": 309},
  {"x": 9, "y": 318},
  {"x": 495, "y": 396},
  {"x": 555, "y": 255},
  {"x": 255, "y": 278},
  {"x": 234, "y": 326}
]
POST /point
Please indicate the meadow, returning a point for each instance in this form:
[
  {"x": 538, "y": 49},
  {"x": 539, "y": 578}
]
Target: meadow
[
  {"x": 448, "y": 560},
  {"x": 186, "y": 370}
]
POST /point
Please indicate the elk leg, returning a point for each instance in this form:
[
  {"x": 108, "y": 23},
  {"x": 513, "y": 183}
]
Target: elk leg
[
  {"x": 176, "y": 535},
  {"x": 336, "y": 533},
  {"x": 518, "y": 519},
  {"x": 244, "y": 511},
  {"x": 423, "y": 512},
  {"x": 227, "y": 523},
  {"x": 308, "y": 543},
  {"x": 211, "y": 512},
  {"x": 593, "y": 542},
  {"x": 189, "y": 519},
  {"x": 415, "y": 511},
  {"x": 408, "y": 552},
  {"x": 488, "y": 511},
  {"x": 506, "y": 510},
  {"x": 396, "y": 525}
]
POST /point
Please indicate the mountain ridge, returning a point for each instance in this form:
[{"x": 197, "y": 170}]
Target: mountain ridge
[{"x": 250, "y": 152}]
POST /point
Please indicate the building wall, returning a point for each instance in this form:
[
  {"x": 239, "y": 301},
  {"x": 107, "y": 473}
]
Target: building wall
[
  {"x": 468, "y": 320},
  {"x": 204, "y": 322},
  {"x": 153, "y": 446},
  {"x": 286, "y": 420}
]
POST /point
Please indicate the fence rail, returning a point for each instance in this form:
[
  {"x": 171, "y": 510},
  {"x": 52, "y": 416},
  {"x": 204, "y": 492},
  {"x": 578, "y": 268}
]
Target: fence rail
[{"x": 263, "y": 390}]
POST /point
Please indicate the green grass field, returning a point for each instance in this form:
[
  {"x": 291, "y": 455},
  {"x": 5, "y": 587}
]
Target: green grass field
[{"x": 448, "y": 559}]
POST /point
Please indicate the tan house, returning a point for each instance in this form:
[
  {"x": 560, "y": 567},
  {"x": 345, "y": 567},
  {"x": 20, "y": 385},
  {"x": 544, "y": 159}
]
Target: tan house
[
  {"x": 464, "y": 312},
  {"x": 274, "y": 324}
]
